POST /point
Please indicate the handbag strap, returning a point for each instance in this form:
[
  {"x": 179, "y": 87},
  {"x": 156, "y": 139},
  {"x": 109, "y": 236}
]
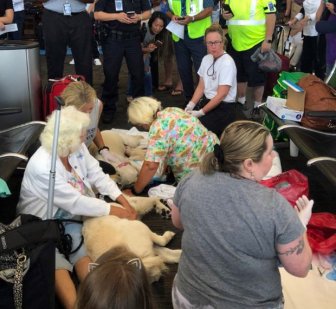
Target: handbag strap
[{"x": 29, "y": 234}]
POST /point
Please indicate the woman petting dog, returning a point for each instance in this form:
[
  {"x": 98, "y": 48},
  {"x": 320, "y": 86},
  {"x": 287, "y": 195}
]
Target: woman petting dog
[
  {"x": 236, "y": 231},
  {"x": 77, "y": 173},
  {"x": 82, "y": 96},
  {"x": 176, "y": 138}
]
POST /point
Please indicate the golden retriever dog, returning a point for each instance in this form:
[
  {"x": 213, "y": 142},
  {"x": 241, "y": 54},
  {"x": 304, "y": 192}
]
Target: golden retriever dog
[{"x": 102, "y": 233}]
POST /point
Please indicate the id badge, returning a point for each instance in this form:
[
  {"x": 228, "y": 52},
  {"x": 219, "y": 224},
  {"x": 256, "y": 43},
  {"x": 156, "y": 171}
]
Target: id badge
[
  {"x": 67, "y": 9},
  {"x": 118, "y": 5},
  {"x": 193, "y": 9}
]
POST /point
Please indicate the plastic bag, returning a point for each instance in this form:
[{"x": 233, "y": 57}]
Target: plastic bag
[
  {"x": 290, "y": 184},
  {"x": 321, "y": 232}
]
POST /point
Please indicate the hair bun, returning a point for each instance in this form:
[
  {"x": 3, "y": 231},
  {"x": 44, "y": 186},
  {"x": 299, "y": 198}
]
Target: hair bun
[{"x": 218, "y": 152}]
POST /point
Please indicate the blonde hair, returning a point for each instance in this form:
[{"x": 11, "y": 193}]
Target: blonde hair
[
  {"x": 216, "y": 27},
  {"x": 119, "y": 280},
  {"x": 240, "y": 140},
  {"x": 143, "y": 110},
  {"x": 78, "y": 93},
  {"x": 73, "y": 124}
]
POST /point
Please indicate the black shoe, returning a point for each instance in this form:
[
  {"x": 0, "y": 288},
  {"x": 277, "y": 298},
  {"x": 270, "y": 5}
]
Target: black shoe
[
  {"x": 256, "y": 114},
  {"x": 107, "y": 117}
]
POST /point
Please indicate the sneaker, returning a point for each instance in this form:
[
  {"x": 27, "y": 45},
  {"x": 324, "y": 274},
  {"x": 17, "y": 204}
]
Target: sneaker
[
  {"x": 97, "y": 61},
  {"x": 256, "y": 114},
  {"x": 72, "y": 61},
  {"x": 129, "y": 99}
]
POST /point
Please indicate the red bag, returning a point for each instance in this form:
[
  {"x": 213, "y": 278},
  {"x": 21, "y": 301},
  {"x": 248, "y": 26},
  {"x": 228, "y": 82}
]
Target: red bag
[
  {"x": 321, "y": 232},
  {"x": 55, "y": 88},
  {"x": 291, "y": 184}
]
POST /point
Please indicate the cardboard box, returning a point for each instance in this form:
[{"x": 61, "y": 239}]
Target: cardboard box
[{"x": 291, "y": 108}]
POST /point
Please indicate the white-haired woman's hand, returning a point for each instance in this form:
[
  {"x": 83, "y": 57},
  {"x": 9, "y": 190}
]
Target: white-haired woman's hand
[{"x": 304, "y": 208}]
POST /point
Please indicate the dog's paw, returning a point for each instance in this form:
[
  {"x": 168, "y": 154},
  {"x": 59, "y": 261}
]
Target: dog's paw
[
  {"x": 165, "y": 214},
  {"x": 162, "y": 209}
]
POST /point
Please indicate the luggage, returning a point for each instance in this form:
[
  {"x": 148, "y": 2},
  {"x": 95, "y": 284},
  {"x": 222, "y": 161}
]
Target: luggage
[
  {"x": 27, "y": 263},
  {"x": 279, "y": 46},
  {"x": 55, "y": 88},
  {"x": 320, "y": 104},
  {"x": 272, "y": 77}
]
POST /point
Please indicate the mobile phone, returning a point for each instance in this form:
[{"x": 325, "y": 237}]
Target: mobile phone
[
  {"x": 180, "y": 18},
  {"x": 130, "y": 14},
  {"x": 227, "y": 9},
  {"x": 158, "y": 43}
]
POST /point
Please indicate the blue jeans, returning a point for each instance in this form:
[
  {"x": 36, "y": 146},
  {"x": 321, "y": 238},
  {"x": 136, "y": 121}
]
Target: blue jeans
[{"x": 189, "y": 52}]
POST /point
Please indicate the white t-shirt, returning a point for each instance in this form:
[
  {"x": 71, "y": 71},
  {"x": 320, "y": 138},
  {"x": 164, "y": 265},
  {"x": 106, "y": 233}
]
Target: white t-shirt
[
  {"x": 310, "y": 9},
  {"x": 221, "y": 72}
]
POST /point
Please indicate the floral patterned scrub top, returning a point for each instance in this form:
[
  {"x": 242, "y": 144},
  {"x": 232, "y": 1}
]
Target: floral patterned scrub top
[{"x": 178, "y": 139}]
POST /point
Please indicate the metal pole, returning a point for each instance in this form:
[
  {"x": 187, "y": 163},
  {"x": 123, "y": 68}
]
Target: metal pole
[{"x": 52, "y": 175}]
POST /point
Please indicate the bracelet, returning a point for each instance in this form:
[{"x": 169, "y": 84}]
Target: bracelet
[
  {"x": 134, "y": 192},
  {"x": 193, "y": 18},
  {"x": 269, "y": 41},
  {"x": 102, "y": 148}
]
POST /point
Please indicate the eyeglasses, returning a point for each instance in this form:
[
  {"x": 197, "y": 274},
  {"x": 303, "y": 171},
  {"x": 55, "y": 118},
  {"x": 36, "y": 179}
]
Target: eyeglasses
[{"x": 213, "y": 43}]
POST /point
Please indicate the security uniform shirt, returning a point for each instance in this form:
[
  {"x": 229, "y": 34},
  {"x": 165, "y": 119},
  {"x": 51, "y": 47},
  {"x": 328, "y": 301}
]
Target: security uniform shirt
[{"x": 109, "y": 6}]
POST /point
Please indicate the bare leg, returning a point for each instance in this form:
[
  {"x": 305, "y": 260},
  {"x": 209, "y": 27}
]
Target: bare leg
[
  {"x": 168, "y": 68},
  {"x": 258, "y": 94},
  {"x": 65, "y": 288},
  {"x": 241, "y": 89}
]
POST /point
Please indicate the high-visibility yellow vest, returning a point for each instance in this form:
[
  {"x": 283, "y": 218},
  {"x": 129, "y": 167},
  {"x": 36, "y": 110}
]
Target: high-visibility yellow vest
[
  {"x": 197, "y": 28},
  {"x": 247, "y": 27}
]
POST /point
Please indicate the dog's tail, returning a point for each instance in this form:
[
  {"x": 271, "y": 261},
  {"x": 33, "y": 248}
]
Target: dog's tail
[{"x": 155, "y": 267}]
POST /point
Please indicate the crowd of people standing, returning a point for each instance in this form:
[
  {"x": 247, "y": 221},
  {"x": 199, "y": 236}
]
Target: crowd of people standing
[{"x": 229, "y": 220}]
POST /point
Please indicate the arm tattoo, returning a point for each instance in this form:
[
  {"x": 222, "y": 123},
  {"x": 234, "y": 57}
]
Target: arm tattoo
[{"x": 297, "y": 249}]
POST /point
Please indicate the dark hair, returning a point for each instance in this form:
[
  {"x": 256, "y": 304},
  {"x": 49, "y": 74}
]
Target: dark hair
[
  {"x": 118, "y": 281},
  {"x": 156, "y": 15}
]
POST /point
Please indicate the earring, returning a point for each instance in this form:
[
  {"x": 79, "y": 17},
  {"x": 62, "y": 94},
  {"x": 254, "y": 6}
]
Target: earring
[{"x": 252, "y": 176}]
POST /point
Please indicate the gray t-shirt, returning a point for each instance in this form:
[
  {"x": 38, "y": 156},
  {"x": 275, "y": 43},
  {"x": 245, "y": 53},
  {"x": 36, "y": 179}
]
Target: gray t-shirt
[{"x": 231, "y": 227}]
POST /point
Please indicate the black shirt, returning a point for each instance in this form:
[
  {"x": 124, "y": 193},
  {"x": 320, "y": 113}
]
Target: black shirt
[
  {"x": 5, "y": 5},
  {"x": 138, "y": 6}
]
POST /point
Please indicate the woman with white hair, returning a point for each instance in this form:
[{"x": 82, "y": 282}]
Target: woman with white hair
[
  {"x": 77, "y": 173},
  {"x": 176, "y": 139}
]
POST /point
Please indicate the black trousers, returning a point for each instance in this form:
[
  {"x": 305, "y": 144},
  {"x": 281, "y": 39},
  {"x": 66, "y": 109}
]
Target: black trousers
[
  {"x": 311, "y": 59},
  {"x": 114, "y": 50},
  {"x": 61, "y": 31},
  {"x": 220, "y": 117}
]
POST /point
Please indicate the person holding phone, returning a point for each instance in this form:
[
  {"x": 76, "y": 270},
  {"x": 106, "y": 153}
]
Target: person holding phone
[
  {"x": 250, "y": 26},
  {"x": 156, "y": 24},
  {"x": 195, "y": 16},
  {"x": 121, "y": 20}
]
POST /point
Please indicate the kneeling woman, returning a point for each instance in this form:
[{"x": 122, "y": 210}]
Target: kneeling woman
[
  {"x": 176, "y": 139},
  {"x": 217, "y": 87}
]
